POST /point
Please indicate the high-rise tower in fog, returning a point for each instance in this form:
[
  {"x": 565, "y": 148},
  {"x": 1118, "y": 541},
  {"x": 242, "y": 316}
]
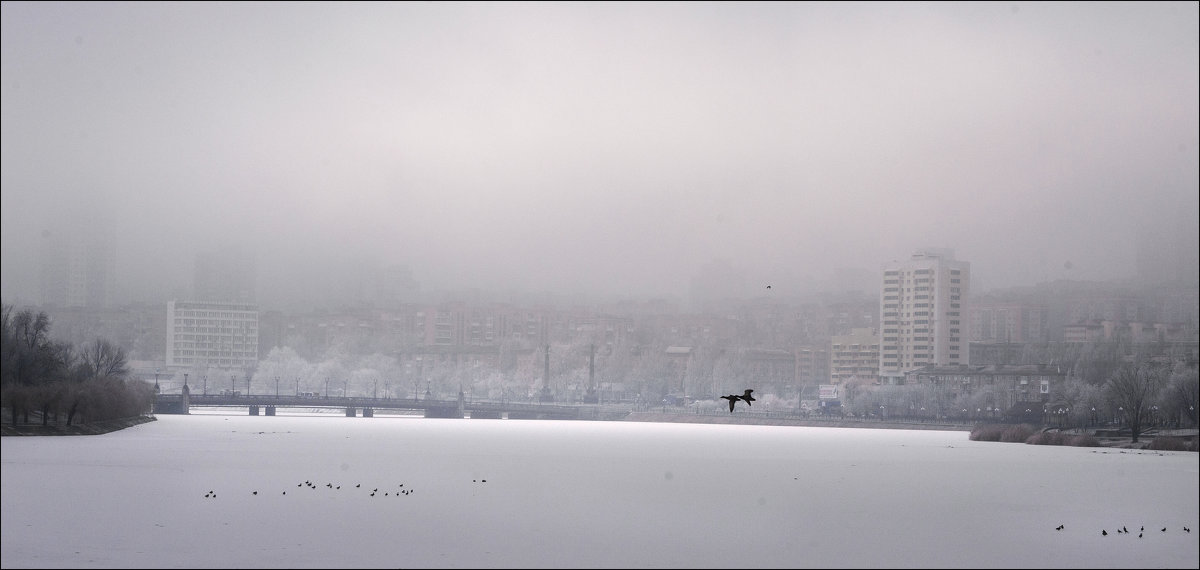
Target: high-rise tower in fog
[
  {"x": 923, "y": 313},
  {"x": 227, "y": 276},
  {"x": 77, "y": 265}
]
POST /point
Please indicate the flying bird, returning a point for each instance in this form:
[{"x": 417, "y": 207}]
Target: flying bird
[
  {"x": 1059, "y": 527},
  {"x": 733, "y": 398},
  {"x": 1104, "y": 532}
]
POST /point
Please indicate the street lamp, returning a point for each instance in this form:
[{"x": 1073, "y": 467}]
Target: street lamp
[
  {"x": 326, "y": 386},
  {"x": 297, "y": 385},
  {"x": 346, "y": 388},
  {"x": 276, "y": 386},
  {"x": 205, "y": 384},
  {"x": 232, "y": 384},
  {"x": 375, "y": 392},
  {"x": 156, "y": 388},
  {"x": 185, "y": 374}
]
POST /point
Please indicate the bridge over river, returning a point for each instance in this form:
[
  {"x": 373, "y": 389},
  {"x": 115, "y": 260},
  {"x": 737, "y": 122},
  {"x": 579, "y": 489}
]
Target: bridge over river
[{"x": 268, "y": 404}]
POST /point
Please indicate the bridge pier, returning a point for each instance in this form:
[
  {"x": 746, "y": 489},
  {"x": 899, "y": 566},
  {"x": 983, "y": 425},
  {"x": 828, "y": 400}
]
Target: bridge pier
[
  {"x": 351, "y": 412},
  {"x": 443, "y": 412},
  {"x": 368, "y": 412},
  {"x": 254, "y": 410},
  {"x": 270, "y": 410}
]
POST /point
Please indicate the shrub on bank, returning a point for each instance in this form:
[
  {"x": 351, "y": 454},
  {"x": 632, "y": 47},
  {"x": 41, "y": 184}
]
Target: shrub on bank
[
  {"x": 987, "y": 432},
  {"x": 1018, "y": 433},
  {"x": 1171, "y": 444},
  {"x": 1046, "y": 438},
  {"x": 1084, "y": 441}
]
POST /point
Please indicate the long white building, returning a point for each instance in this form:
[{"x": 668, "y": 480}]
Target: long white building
[
  {"x": 923, "y": 313},
  {"x": 212, "y": 335}
]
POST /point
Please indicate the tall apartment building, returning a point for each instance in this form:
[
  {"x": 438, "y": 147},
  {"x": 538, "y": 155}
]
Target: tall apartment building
[
  {"x": 1015, "y": 322},
  {"x": 855, "y": 355},
  {"x": 225, "y": 276},
  {"x": 77, "y": 266},
  {"x": 204, "y": 335},
  {"x": 923, "y": 313}
]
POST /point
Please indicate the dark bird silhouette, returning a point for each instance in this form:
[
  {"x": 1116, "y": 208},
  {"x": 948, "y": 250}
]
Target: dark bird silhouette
[
  {"x": 733, "y": 398},
  {"x": 1139, "y": 535},
  {"x": 1059, "y": 527},
  {"x": 254, "y": 492},
  {"x": 747, "y": 397},
  {"x": 1186, "y": 529},
  {"x": 1104, "y": 532},
  {"x": 1127, "y": 530},
  {"x": 1164, "y": 529},
  {"x": 768, "y": 286}
]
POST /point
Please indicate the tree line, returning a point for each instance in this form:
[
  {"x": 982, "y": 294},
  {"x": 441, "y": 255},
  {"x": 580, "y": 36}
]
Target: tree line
[{"x": 51, "y": 381}]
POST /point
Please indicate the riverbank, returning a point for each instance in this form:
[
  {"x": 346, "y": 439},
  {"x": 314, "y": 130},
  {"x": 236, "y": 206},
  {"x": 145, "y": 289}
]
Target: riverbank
[{"x": 90, "y": 428}]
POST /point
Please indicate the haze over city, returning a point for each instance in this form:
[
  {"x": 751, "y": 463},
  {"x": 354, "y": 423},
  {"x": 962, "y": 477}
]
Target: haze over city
[{"x": 614, "y": 149}]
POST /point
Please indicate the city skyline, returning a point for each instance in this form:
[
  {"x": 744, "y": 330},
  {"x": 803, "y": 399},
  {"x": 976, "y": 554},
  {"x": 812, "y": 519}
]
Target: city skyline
[{"x": 601, "y": 150}]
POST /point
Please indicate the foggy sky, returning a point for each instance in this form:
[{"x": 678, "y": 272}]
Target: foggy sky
[{"x": 605, "y": 148}]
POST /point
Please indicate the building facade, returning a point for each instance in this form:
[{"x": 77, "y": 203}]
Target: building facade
[
  {"x": 855, "y": 355},
  {"x": 923, "y": 314},
  {"x": 220, "y": 336}
]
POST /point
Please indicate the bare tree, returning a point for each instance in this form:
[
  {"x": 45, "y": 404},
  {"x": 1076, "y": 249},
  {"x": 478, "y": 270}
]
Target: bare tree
[
  {"x": 104, "y": 360},
  {"x": 1182, "y": 395},
  {"x": 1132, "y": 386}
]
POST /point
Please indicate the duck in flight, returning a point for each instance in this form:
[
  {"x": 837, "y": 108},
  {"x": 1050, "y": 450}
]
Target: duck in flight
[{"x": 733, "y": 398}]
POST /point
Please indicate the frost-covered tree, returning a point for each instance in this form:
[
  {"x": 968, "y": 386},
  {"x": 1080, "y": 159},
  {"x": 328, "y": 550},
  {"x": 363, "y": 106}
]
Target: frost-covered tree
[{"x": 1132, "y": 388}]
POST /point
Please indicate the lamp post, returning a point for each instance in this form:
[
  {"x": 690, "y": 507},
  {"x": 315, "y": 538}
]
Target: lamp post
[
  {"x": 346, "y": 388},
  {"x": 375, "y": 392},
  {"x": 276, "y": 386},
  {"x": 1153, "y": 415},
  {"x": 1120, "y": 415},
  {"x": 156, "y": 388},
  {"x": 247, "y": 385},
  {"x": 232, "y": 384},
  {"x": 326, "y": 386},
  {"x": 185, "y": 375},
  {"x": 1093, "y": 415},
  {"x": 205, "y": 384},
  {"x": 297, "y": 385},
  {"x": 881, "y": 411}
]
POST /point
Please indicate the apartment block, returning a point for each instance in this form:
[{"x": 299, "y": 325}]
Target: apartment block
[
  {"x": 855, "y": 355},
  {"x": 923, "y": 313},
  {"x": 212, "y": 335}
]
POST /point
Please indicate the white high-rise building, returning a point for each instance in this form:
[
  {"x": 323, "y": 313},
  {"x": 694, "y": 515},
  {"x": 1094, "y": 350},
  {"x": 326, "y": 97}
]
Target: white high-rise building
[
  {"x": 923, "y": 313},
  {"x": 212, "y": 335}
]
